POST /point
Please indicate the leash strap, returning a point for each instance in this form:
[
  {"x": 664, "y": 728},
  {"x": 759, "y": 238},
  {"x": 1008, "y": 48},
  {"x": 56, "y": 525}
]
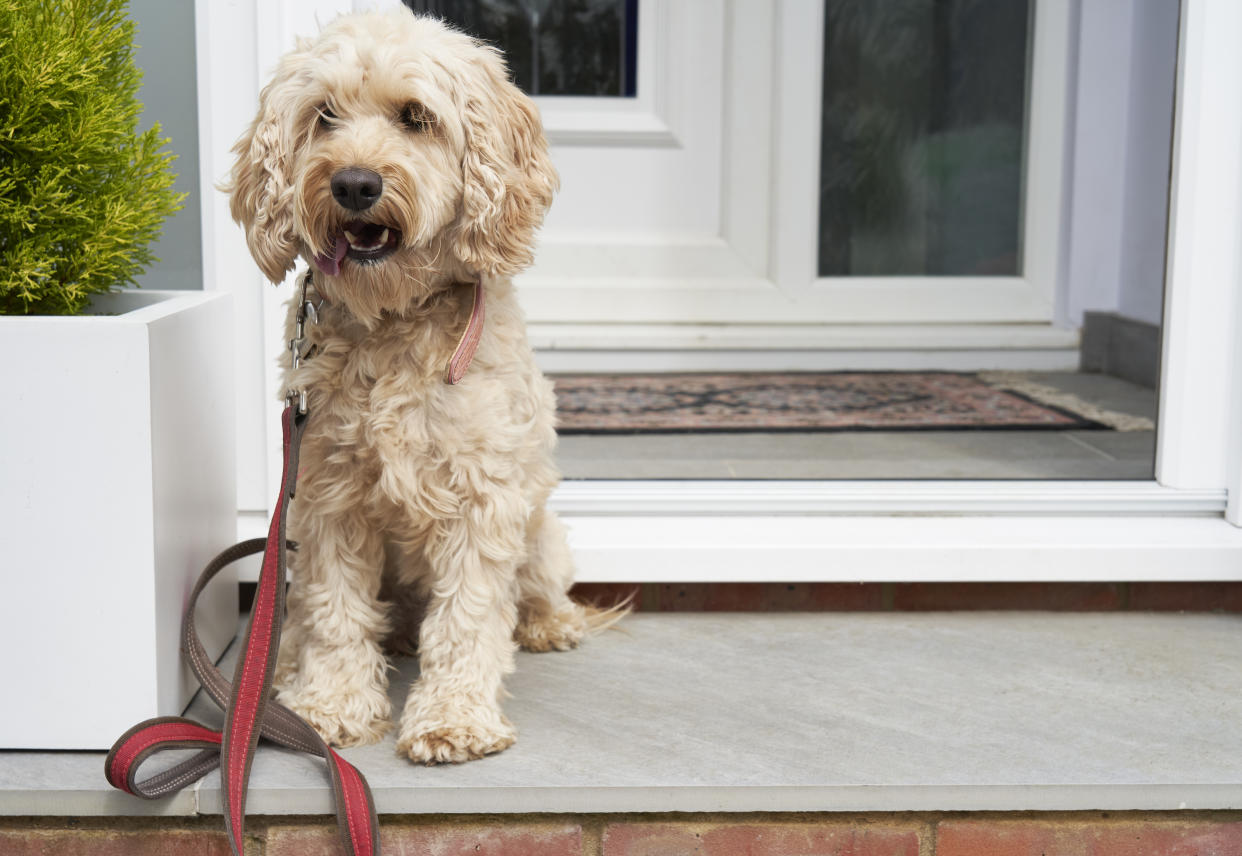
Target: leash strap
[{"x": 249, "y": 710}]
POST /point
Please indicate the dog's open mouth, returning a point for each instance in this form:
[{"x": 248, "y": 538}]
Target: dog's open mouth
[{"x": 365, "y": 243}]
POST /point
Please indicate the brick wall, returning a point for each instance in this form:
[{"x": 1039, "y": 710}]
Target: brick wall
[
  {"x": 912, "y": 597},
  {"x": 904, "y": 597},
  {"x": 958, "y": 834}
]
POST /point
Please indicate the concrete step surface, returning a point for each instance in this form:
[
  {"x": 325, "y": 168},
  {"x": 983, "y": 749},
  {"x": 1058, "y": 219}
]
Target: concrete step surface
[{"x": 861, "y": 712}]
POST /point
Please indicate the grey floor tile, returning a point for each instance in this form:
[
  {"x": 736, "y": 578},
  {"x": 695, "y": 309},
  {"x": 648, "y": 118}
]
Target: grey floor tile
[
  {"x": 1107, "y": 392},
  {"x": 1135, "y": 447}
]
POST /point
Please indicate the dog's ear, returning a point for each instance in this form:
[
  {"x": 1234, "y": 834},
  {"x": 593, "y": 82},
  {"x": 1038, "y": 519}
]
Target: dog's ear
[
  {"x": 260, "y": 187},
  {"x": 508, "y": 177}
]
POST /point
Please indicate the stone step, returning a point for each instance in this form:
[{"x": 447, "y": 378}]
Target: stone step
[{"x": 806, "y": 712}]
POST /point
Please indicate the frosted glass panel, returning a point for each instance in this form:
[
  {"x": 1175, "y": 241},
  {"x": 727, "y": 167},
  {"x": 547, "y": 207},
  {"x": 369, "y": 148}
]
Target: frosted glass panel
[
  {"x": 554, "y": 47},
  {"x": 923, "y": 136}
]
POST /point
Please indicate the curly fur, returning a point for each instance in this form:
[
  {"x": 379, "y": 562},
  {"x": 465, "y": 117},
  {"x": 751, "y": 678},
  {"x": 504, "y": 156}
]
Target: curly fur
[{"x": 421, "y": 506}]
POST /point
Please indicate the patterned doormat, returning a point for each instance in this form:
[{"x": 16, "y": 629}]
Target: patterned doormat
[{"x": 799, "y": 401}]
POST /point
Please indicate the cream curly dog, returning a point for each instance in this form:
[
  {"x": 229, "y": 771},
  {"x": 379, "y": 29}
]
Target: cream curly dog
[{"x": 394, "y": 155}]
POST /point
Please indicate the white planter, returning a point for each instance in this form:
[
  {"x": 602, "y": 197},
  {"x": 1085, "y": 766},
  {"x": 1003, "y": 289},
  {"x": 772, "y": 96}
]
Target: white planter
[{"x": 117, "y": 485}]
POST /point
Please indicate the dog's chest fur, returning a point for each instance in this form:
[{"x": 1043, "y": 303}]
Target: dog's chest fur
[{"x": 380, "y": 406}]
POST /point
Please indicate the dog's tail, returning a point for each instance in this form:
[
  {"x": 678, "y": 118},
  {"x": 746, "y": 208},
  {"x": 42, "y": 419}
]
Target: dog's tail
[{"x": 599, "y": 619}]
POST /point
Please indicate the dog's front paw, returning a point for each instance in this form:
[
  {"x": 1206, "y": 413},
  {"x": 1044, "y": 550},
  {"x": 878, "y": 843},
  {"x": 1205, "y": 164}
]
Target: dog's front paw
[
  {"x": 353, "y": 724},
  {"x": 559, "y": 631},
  {"x": 451, "y": 737},
  {"x": 453, "y": 745}
]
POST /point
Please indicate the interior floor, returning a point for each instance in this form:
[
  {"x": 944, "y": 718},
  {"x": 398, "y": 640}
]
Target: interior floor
[{"x": 971, "y": 454}]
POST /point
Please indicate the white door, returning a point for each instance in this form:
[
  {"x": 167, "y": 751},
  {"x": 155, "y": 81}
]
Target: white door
[{"x": 710, "y": 207}]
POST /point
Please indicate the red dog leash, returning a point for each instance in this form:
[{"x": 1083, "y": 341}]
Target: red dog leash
[{"x": 249, "y": 709}]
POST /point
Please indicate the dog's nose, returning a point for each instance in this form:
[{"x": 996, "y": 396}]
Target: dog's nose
[{"x": 357, "y": 189}]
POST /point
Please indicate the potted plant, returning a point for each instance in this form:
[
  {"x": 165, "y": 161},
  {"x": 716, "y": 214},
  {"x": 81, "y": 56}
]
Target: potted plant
[{"x": 116, "y": 429}]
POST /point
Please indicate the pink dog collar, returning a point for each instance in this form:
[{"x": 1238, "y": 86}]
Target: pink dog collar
[
  {"x": 469, "y": 341},
  {"x": 467, "y": 345}
]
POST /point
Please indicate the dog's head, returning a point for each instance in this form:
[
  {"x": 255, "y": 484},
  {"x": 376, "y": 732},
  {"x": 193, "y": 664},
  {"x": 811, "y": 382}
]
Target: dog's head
[{"x": 394, "y": 154}]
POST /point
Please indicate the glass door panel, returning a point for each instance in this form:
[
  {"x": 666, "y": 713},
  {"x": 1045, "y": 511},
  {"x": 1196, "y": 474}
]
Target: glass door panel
[
  {"x": 924, "y": 126},
  {"x": 568, "y": 47}
]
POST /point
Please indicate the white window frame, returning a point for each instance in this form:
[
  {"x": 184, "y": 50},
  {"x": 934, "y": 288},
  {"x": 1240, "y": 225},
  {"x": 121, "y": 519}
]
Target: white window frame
[
  {"x": 1027, "y": 297},
  {"x": 1183, "y": 525},
  {"x": 647, "y": 119}
]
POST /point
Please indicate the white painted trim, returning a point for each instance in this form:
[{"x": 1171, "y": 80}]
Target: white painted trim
[
  {"x": 1046, "y": 145},
  {"x": 614, "y": 548},
  {"x": 1233, "y": 471},
  {"x": 1200, "y": 333},
  {"x": 205, "y": 91},
  {"x": 657, "y": 360},
  {"x": 802, "y": 347},
  {"x": 794, "y": 235},
  {"x": 713, "y": 295},
  {"x": 633, "y": 498},
  {"x": 797, "y": 100},
  {"x": 828, "y": 337},
  {"x": 228, "y": 89},
  {"x": 600, "y": 128},
  {"x": 1204, "y": 272},
  {"x": 746, "y": 196},
  {"x": 897, "y": 531},
  {"x": 1211, "y": 28},
  {"x": 647, "y": 119},
  {"x": 984, "y": 498}
]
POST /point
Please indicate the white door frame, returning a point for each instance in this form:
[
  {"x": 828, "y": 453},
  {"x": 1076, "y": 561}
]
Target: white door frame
[
  {"x": 1199, "y": 381},
  {"x": 1173, "y": 528}
]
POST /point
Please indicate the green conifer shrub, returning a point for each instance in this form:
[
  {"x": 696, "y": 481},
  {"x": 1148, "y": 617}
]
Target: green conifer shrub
[{"x": 82, "y": 192}]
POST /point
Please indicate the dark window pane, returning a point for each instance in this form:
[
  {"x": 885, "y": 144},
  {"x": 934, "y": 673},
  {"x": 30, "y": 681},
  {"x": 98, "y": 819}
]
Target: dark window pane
[
  {"x": 554, "y": 47},
  {"x": 924, "y": 125}
]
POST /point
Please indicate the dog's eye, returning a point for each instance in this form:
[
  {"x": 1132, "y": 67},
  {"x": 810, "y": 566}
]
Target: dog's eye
[
  {"x": 326, "y": 117},
  {"x": 415, "y": 117}
]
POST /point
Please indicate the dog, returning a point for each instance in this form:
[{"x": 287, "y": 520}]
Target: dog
[{"x": 394, "y": 155}]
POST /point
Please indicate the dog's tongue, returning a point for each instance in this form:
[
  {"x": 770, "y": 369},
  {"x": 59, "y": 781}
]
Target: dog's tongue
[{"x": 331, "y": 264}]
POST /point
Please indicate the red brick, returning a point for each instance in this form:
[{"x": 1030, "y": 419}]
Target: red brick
[
  {"x": 1077, "y": 838},
  {"x": 970, "y": 838},
  {"x": 769, "y": 597},
  {"x": 652, "y": 840},
  {"x": 101, "y": 842},
  {"x": 608, "y": 594},
  {"x": 1186, "y": 597},
  {"x": 965, "y": 596},
  {"x": 710, "y": 597},
  {"x": 466, "y": 839},
  {"x": 843, "y": 839},
  {"x": 854, "y": 597}
]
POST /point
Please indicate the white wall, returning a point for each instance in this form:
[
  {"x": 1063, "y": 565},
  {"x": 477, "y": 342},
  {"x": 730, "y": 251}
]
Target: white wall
[
  {"x": 1153, "y": 75},
  {"x": 1120, "y": 147},
  {"x": 169, "y": 94}
]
